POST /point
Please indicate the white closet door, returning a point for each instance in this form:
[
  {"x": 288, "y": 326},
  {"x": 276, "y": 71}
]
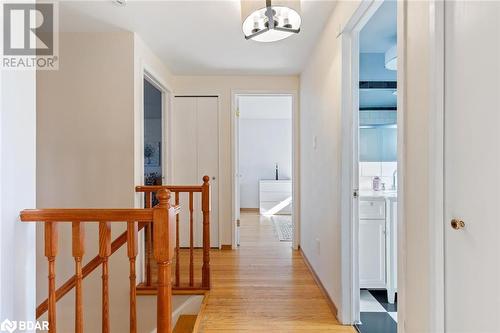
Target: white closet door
[
  {"x": 195, "y": 154},
  {"x": 208, "y": 156},
  {"x": 472, "y": 164}
]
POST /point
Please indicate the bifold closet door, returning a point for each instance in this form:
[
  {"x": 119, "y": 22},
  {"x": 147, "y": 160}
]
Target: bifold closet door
[{"x": 195, "y": 154}]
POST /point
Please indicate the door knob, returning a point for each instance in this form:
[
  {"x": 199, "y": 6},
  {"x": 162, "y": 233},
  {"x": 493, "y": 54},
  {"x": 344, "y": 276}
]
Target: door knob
[
  {"x": 457, "y": 224},
  {"x": 213, "y": 178}
]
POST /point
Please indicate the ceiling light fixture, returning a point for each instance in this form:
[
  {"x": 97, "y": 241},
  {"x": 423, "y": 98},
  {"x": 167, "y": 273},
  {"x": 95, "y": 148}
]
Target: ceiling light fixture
[
  {"x": 270, "y": 20},
  {"x": 120, "y": 2},
  {"x": 391, "y": 58}
]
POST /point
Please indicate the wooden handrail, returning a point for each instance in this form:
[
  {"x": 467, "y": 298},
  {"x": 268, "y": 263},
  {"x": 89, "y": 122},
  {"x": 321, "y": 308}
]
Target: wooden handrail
[
  {"x": 161, "y": 217},
  {"x": 204, "y": 190},
  {"x": 86, "y": 215},
  {"x": 171, "y": 188}
]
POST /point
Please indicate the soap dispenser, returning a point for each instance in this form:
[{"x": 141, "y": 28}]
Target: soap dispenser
[{"x": 376, "y": 183}]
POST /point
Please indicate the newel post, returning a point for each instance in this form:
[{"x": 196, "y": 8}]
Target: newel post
[
  {"x": 205, "y": 206},
  {"x": 163, "y": 255}
]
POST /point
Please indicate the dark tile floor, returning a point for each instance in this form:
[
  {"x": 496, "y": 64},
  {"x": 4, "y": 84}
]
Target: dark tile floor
[{"x": 377, "y": 314}]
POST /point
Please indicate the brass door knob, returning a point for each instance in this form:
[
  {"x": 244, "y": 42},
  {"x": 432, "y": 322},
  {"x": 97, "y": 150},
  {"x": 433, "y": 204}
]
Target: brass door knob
[{"x": 457, "y": 224}]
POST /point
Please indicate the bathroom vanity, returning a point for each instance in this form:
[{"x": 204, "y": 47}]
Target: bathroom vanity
[{"x": 378, "y": 241}]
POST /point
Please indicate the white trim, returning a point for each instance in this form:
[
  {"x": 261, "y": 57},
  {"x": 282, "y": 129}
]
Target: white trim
[
  {"x": 349, "y": 310},
  {"x": 295, "y": 159},
  {"x": 219, "y": 147},
  {"x": 350, "y": 77},
  {"x": 401, "y": 223},
  {"x": 165, "y": 125},
  {"x": 147, "y": 72},
  {"x": 436, "y": 167}
]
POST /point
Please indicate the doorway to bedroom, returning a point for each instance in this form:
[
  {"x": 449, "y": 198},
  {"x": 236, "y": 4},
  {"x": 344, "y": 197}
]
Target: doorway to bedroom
[{"x": 264, "y": 179}]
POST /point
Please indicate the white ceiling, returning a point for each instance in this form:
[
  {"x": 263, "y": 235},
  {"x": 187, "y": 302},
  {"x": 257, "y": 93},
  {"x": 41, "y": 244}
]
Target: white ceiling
[
  {"x": 380, "y": 32},
  {"x": 265, "y": 107},
  {"x": 201, "y": 37}
]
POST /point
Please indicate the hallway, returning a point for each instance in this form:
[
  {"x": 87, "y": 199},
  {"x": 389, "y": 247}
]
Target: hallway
[{"x": 264, "y": 286}]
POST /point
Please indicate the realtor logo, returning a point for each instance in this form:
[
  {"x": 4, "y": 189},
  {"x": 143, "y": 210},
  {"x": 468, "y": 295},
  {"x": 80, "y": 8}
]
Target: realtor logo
[{"x": 30, "y": 35}]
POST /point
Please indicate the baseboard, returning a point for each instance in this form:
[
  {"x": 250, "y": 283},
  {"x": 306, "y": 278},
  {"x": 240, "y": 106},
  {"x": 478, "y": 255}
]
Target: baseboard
[
  {"x": 249, "y": 210},
  {"x": 330, "y": 302}
]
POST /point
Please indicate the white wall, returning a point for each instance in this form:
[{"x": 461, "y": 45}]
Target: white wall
[
  {"x": 85, "y": 124},
  {"x": 222, "y": 86},
  {"x": 418, "y": 302},
  {"x": 320, "y": 117},
  {"x": 263, "y": 142},
  {"x": 90, "y": 125},
  {"x": 320, "y": 106},
  {"x": 17, "y": 170},
  {"x": 146, "y": 61}
]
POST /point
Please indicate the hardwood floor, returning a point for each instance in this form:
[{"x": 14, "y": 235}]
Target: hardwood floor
[{"x": 264, "y": 286}]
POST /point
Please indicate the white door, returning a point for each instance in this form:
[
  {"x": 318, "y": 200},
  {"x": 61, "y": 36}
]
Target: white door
[
  {"x": 472, "y": 166},
  {"x": 195, "y": 154}
]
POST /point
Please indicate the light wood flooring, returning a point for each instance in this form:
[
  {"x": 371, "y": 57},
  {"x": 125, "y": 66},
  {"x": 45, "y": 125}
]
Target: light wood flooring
[{"x": 264, "y": 286}]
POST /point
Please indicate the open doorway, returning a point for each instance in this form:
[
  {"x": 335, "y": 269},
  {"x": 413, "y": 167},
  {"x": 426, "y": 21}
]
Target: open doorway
[
  {"x": 372, "y": 58},
  {"x": 264, "y": 182},
  {"x": 153, "y": 134},
  {"x": 376, "y": 162}
]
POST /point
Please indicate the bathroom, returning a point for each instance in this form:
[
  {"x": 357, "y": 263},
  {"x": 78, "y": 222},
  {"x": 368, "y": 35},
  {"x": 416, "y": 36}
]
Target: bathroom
[{"x": 378, "y": 172}]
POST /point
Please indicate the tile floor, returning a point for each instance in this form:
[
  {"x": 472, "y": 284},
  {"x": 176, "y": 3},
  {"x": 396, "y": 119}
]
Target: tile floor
[{"x": 377, "y": 315}]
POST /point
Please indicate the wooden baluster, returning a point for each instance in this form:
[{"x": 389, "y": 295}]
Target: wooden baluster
[
  {"x": 78, "y": 249},
  {"x": 163, "y": 255},
  {"x": 148, "y": 233},
  {"x": 148, "y": 199},
  {"x": 205, "y": 206},
  {"x": 51, "y": 253},
  {"x": 177, "y": 246},
  {"x": 104, "y": 253},
  {"x": 132, "y": 230},
  {"x": 191, "y": 241}
]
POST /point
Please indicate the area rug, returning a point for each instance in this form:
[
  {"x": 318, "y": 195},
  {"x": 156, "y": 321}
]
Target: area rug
[{"x": 283, "y": 227}]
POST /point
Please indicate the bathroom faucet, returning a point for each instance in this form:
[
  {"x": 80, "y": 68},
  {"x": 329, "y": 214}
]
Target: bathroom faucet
[{"x": 394, "y": 179}]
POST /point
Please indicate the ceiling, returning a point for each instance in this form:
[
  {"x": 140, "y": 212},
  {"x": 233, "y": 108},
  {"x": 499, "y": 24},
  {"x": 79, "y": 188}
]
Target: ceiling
[
  {"x": 265, "y": 107},
  {"x": 379, "y": 33},
  {"x": 201, "y": 37}
]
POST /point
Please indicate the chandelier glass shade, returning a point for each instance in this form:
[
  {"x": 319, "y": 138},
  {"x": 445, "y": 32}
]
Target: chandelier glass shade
[{"x": 270, "y": 21}]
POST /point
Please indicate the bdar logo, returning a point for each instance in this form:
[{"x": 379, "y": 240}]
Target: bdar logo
[{"x": 8, "y": 326}]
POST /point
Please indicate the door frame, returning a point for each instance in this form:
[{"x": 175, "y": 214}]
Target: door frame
[
  {"x": 436, "y": 193},
  {"x": 219, "y": 147},
  {"x": 350, "y": 158},
  {"x": 165, "y": 110},
  {"x": 148, "y": 72},
  {"x": 295, "y": 159}
]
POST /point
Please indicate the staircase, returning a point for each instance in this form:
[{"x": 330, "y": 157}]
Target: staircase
[{"x": 162, "y": 248}]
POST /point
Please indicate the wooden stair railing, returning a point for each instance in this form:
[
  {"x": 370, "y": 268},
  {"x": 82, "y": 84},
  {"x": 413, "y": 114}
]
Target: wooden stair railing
[
  {"x": 204, "y": 190},
  {"x": 162, "y": 218}
]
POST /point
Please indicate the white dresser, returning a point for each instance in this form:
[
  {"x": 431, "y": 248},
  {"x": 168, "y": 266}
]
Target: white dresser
[{"x": 275, "y": 197}]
